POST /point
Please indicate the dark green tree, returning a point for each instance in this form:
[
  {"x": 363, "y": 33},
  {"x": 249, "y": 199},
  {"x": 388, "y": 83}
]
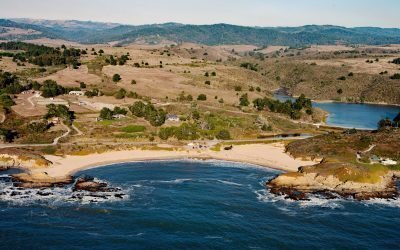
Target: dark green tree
[{"x": 116, "y": 78}]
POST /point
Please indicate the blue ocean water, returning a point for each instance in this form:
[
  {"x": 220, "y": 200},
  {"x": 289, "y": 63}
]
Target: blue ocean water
[
  {"x": 191, "y": 205},
  {"x": 353, "y": 115}
]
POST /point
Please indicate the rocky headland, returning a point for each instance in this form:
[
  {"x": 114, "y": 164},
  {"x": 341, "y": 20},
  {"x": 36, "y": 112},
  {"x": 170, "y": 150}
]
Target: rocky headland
[{"x": 333, "y": 179}]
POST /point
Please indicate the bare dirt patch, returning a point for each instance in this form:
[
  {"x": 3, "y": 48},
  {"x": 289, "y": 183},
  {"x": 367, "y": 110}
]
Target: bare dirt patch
[{"x": 25, "y": 108}]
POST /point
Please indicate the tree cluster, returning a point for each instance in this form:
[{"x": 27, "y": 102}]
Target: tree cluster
[
  {"x": 387, "y": 123},
  {"x": 293, "y": 109},
  {"x": 156, "y": 117},
  {"x": 108, "y": 114},
  {"x": 60, "y": 111},
  {"x": 42, "y": 55}
]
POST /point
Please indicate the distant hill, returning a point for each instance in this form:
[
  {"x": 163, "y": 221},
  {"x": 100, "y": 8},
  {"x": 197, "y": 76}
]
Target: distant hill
[{"x": 217, "y": 34}]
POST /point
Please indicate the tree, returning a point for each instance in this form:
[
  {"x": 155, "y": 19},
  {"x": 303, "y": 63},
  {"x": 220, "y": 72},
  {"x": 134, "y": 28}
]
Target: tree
[
  {"x": 82, "y": 85},
  {"x": 340, "y": 91},
  {"x": 120, "y": 111},
  {"x": 166, "y": 133},
  {"x": 238, "y": 88},
  {"x": 397, "y": 118},
  {"x": 156, "y": 117},
  {"x": 396, "y": 61},
  {"x": 50, "y": 88},
  {"x": 37, "y": 127},
  {"x": 202, "y": 97},
  {"x": 206, "y": 74},
  {"x": 120, "y": 94},
  {"x": 7, "y": 135},
  {"x": 385, "y": 123},
  {"x": 6, "y": 101},
  {"x": 207, "y": 82},
  {"x": 106, "y": 114},
  {"x": 60, "y": 111},
  {"x": 133, "y": 82},
  {"x": 244, "y": 100},
  {"x": 116, "y": 78},
  {"x": 395, "y": 76},
  {"x": 36, "y": 85},
  {"x": 195, "y": 115},
  {"x": 223, "y": 135},
  {"x": 138, "y": 109},
  {"x": 213, "y": 73}
]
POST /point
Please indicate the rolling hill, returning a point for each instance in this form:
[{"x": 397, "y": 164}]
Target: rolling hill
[{"x": 216, "y": 34}]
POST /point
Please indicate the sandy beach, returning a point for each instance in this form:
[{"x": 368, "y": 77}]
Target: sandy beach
[{"x": 267, "y": 155}]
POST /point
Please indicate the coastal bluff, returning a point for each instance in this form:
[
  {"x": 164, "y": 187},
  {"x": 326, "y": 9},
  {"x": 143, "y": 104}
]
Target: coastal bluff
[
  {"x": 333, "y": 179},
  {"x": 21, "y": 158}
]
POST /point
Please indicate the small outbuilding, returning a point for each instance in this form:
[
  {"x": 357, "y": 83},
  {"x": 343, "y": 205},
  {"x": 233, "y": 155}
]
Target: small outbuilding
[{"x": 172, "y": 118}]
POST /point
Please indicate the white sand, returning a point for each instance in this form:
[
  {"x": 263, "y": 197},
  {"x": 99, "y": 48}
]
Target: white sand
[{"x": 268, "y": 155}]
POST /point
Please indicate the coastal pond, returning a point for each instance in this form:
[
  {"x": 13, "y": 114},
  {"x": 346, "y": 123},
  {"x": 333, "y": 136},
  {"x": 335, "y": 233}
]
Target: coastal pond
[
  {"x": 352, "y": 115},
  {"x": 196, "y": 204}
]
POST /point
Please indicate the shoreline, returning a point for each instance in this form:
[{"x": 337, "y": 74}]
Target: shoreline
[
  {"x": 276, "y": 92},
  {"x": 271, "y": 156}
]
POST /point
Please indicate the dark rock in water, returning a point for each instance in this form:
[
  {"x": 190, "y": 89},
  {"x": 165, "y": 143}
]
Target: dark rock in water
[
  {"x": 121, "y": 196},
  {"x": 84, "y": 178},
  {"x": 6, "y": 178},
  {"x": 15, "y": 193},
  {"x": 90, "y": 186},
  {"x": 87, "y": 183},
  {"x": 44, "y": 193},
  {"x": 326, "y": 194}
]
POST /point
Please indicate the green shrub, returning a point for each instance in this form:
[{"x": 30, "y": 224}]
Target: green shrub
[
  {"x": 116, "y": 78},
  {"x": 202, "y": 97}
]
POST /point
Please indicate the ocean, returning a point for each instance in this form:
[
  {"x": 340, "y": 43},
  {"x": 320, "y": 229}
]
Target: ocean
[{"x": 190, "y": 205}]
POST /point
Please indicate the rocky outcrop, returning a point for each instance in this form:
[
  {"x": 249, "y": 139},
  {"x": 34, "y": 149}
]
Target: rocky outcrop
[
  {"x": 39, "y": 180},
  {"x": 88, "y": 183},
  {"x": 332, "y": 179}
]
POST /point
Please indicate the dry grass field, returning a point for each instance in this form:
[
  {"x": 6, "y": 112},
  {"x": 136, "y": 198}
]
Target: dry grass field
[
  {"x": 69, "y": 77},
  {"x": 160, "y": 73},
  {"x": 359, "y": 65}
]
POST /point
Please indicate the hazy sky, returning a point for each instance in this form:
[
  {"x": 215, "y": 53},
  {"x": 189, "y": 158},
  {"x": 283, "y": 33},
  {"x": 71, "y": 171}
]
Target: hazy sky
[{"x": 383, "y": 13}]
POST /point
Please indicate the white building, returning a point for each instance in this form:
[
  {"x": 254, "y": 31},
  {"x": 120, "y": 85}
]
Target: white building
[
  {"x": 119, "y": 116},
  {"x": 77, "y": 93},
  {"x": 387, "y": 162},
  {"x": 172, "y": 118}
]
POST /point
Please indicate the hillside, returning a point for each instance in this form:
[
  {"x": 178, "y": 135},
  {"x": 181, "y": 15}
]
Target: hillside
[{"x": 217, "y": 34}]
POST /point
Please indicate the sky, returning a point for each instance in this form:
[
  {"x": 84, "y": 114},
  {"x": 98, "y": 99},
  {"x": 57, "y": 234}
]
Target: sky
[{"x": 266, "y": 13}]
